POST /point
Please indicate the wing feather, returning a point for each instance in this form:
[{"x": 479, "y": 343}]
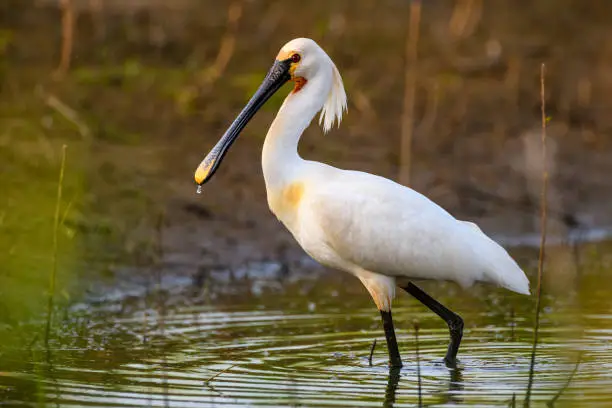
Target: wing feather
[{"x": 384, "y": 227}]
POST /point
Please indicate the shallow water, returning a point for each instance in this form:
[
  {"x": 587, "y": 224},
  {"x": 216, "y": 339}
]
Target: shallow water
[{"x": 305, "y": 340}]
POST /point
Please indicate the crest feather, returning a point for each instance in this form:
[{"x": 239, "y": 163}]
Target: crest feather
[{"x": 335, "y": 105}]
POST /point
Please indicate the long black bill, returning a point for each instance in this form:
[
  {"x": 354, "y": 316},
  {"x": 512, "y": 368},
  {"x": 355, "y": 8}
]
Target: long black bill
[{"x": 276, "y": 78}]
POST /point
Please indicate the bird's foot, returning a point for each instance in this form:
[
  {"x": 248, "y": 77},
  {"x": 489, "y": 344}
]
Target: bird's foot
[
  {"x": 395, "y": 364},
  {"x": 450, "y": 362}
]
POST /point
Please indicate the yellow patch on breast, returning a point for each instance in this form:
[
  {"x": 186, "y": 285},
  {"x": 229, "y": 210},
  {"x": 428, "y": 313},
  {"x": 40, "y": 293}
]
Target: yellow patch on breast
[
  {"x": 288, "y": 199},
  {"x": 292, "y": 195}
]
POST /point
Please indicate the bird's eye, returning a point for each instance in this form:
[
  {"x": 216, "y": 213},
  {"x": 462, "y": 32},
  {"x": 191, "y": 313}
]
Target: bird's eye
[{"x": 295, "y": 58}]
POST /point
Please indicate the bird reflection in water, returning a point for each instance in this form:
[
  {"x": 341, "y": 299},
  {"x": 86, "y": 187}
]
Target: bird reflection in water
[{"x": 451, "y": 395}]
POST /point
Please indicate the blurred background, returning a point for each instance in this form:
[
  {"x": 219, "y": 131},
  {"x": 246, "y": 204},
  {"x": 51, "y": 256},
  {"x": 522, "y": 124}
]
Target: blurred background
[{"x": 444, "y": 96}]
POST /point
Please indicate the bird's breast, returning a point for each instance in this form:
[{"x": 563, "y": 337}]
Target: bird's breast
[{"x": 285, "y": 202}]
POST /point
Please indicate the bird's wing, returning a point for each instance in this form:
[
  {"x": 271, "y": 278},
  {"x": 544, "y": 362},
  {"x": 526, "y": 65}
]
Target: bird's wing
[{"x": 384, "y": 227}]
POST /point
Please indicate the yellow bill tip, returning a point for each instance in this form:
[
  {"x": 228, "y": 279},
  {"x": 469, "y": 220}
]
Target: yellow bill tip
[
  {"x": 202, "y": 171},
  {"x": 200, "y": 175}
]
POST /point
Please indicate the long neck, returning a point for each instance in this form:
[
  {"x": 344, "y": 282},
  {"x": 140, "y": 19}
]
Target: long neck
[{"x": 280, "y": 159}]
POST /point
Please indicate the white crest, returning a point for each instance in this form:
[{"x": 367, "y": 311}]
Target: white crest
[
  {"x": 335, "y": 105},
  {"x": 315, "y": 57}
]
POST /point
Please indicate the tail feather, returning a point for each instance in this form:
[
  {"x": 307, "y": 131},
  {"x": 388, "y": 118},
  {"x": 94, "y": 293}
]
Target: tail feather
[
  {"x": 499, "y": 267},
  {"x": 511, "y": 276}
]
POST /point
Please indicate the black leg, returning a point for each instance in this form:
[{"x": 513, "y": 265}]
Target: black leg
[
  {"x": 454, "y": 321},
  {"x": 394, "y": 355}
]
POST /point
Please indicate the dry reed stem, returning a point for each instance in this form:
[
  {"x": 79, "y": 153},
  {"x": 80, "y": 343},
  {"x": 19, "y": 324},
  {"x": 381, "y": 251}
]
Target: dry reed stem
[
  {"x": 162, "y": 306},
  {"x": 67, "y": 38},
  {"x": 363, "y": 104},
  {"x": 544, "y": 215},
  {"x": 465, "y": 18},
  {"x": 372, "y": 347},
  {"x": 227, "y": 45},
  {"x": 53, "y": 274},
  {"x": 96, "y": 9},
  {"x": 418, "y": 360},
  {"x": 551, "y": 403},
  {"x": 69, "y": 114},
  {"x": 409, "y": 91},
  {"x": 159, "y": 238},
  {"x": 431, "y": 109},
  {"x": 219, "y": 373}
]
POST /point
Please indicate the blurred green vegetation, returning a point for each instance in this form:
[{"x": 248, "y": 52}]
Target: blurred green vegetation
[
  {"x": 29, "y": 163},
  {"x": 107, "y": 214}
]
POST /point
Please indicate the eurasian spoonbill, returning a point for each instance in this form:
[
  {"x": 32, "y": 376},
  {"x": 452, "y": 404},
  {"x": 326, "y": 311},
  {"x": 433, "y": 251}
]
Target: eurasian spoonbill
[{"x": 382, "y": 232}]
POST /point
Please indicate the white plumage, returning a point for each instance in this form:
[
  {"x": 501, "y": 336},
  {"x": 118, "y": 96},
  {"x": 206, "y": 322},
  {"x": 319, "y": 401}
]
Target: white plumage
[
  {"x": 380, "y": 231},
  {"x": 361, "y": 223}
]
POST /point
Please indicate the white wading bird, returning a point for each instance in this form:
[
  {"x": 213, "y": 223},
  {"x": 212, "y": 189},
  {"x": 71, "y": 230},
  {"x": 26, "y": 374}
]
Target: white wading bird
[{"x": 380, "y": 231}]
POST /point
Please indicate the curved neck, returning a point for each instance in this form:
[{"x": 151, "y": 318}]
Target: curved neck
[{"x": 280, "y": 158}]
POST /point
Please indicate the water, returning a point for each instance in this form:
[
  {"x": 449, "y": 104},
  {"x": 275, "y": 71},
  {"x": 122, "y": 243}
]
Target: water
[{"x": 304, "y": 341}]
